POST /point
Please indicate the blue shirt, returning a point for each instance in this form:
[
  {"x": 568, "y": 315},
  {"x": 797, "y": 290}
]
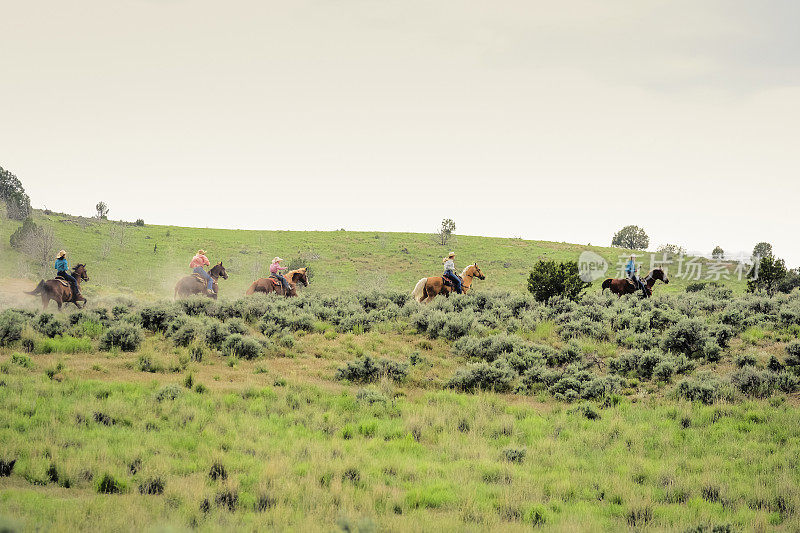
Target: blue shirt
[
  {"x": 630, "y": 268},
  {"x": 61, "y": 265}
]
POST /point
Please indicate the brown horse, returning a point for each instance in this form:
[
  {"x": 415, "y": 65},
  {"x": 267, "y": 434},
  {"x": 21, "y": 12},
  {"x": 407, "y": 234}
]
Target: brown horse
[
  {"x": 60, "y": 291},
  {"x": 427, "y": 288},
  {"x": 267, "y": 285},
  {"x": 194, "y": 284},
  {"x": 626, "y": 286}
]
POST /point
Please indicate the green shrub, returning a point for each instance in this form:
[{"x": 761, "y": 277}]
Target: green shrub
[
  {"x": 744, "y": 360},
  {"x": 704, "y": 388},
  {"x": 187, "y": 333},
  {"x": 367, "y": 369},
  {"x": 497, "y": 377},
  {"x": 793, "y": 355},
  {"x": 126, "y": 337},
  {"x": 109, "y": 485},
  {"x": 689, "y": 337},
  {"x": 216, "y": 334},
  {"x": 751, "y": 382},
  {"x": 242, "y": 347},
  {"x": 168, "y": 392},
  {"x": 514, "y": 455},
  {"x": 47, "y": 324},
  {"x": 11, "y": 325},
  {"x": 21, "y": 360},
  {"x": 549, "y": 279},
  {"x": 156, "y": 318}
]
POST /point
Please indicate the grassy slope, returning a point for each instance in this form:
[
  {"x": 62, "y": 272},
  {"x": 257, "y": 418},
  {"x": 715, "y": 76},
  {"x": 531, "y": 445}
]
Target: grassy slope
[
  {"x": 126, "y": 261},
  {"x": 427, "y": 460}
]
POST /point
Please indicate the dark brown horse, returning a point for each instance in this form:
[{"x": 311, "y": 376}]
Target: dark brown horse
[
  {"x": 626, "y": 286},
  {"x": 194, "y": 284},
  {"x": 267, "y": 285},
  {"x": 60, "y": 291},
  {"x": 427, "y": 288}
]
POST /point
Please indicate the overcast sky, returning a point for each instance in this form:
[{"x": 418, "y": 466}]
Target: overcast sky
[{"x": 549, "y": 120}]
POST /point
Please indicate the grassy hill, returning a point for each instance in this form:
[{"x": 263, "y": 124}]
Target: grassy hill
[{"x": 147, "y": 261}]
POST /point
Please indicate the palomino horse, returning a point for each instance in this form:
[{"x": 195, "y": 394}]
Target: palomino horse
[
  {"x": 194, "y": 284},
  {"x": 626, "y": 286},
  {"x": 60, "y": 291},
  {"x": 427, "y": 288},
  {"x": 267, "y": 285}
]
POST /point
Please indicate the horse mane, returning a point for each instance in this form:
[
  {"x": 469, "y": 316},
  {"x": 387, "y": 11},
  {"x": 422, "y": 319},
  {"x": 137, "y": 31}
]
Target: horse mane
[{"x": 464, "y": 272}]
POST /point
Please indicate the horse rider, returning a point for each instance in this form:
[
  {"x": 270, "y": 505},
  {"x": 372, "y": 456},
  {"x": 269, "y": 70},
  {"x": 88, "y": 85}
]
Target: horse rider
[
  {"x": 62, "y": 268},
  {"x": 450, "y": 271},
  {"x": 197, "y": 263},
  {"x": 275, "y": 272},
  {"x": 632, "y": 271}
]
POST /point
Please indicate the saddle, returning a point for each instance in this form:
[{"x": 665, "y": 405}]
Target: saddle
[
  {"x": 198, "y": 277},
  {"x": 61, "y": 281}
]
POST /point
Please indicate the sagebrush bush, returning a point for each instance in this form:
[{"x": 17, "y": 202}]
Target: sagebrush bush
[
  {"x": 48, "y": 325},
  {"x": 744, "y": 360},
  {"x": 497, "y": 377},
  {"x": 156, "y": 317},
  {"x": 689, "y": 337},
  {"x": 241, "y": 346},
  {"x": 216, "y": 334},
  {"x": 752, "y": 382},
  {"x": 11, "y": 325},
  {"x": 126, "y": 337},
  {"x": 704, "y": 388},
  {"x": 368, "y": 369}
]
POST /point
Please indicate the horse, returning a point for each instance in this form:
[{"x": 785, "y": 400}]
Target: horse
[
  {"x": 60, "y": 291},
  {"x": 194, "y": 284},
  {"x": 626, "y": 286},
  {"x": 427, "y": 288},
  {"x": 267, "y": 285}
]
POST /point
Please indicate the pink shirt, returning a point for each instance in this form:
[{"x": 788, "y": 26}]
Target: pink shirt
[
  {"x": 198, "y": 261},
  {"x": 274, "y": 267}
]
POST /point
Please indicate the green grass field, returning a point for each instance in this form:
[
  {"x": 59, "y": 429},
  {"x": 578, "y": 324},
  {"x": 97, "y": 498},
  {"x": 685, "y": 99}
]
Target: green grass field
[
  {"x": 147, "y": 261},
  {"x": 369, "y": 412}
]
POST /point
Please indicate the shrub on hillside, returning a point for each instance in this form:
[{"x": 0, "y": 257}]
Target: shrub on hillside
[
  {"x": 126, "y": 337},
  {"x": 11, "y": 325},
  {"x": 488, "y": 348},
  {"x": 497, "y": 377},
  {"x": 704, "y": 388},
  {"x": 793, "y": 357},
  {"x": 242, "y": 346},
  {"x": 187, "y": 333},
  {"x": 549, "y": 279},
  {"x": 156, "y": 318},
  {"x": 216, "y": 334},
  {"x": 744, "y": 360},
  {"x": 689, "y": 337},
  {"x": 752, "y": 382},
  {"x": 48, "y": 325},
  {"x": 368, "y": 369}
]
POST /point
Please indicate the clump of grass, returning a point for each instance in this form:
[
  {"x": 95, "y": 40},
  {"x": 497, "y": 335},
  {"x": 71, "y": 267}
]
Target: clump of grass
[
  {"x": 369, "y": 369},
  {"x": 153, "y": 486},
  {"x": 264, "y": 502},
  {"x": 514, "y": 455},
  {"x": 21, "y": 360},
  {"x": 227, "y": 499},
  {"x": 65, "y": 344},
  {"x": 218, "y": 472},
  {"x": 109, "y": 485},
  {"x": 639, "y": 516},
  {"x": 168, "y": 392},
  {"x": 6, "y": 467}
]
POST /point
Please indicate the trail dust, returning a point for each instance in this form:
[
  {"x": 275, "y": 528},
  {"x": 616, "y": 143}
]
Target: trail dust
[{"x": 12, "y": 293}]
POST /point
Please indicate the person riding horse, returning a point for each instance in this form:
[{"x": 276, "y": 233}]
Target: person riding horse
[
  {"x": 450, "y": 271},
  {"x": 197, "y": 263},
  {"x": 274, "y": 272},
  {"x": 62, "y": 268},
  {"x": 631, "y": 270}
]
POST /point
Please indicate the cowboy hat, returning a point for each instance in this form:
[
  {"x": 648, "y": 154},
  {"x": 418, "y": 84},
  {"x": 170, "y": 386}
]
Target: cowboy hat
[
  {"x": 61, "y": 254},
  {"x": 277, "y": 259},
  {"x": 201, "y": 252},
  {"x": 451, "y": 254}
]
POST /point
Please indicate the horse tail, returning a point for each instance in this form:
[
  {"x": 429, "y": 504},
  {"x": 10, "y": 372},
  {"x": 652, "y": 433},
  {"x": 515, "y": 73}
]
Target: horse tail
[
  {"x": 38, "y": 290},
  {"x": 251, "y": 289},
  {"x": 606, "y": 284},
  {"x": 419, "y": 290}
]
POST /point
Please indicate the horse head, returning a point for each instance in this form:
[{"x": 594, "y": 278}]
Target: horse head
[
  {"x": 475, "y": 271},
  {"x": 301, "y": 275},
  {"x": 80, "y": 272},
  {"x": 660, "y": 274},
  {"x": 218, "y": 271}
]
